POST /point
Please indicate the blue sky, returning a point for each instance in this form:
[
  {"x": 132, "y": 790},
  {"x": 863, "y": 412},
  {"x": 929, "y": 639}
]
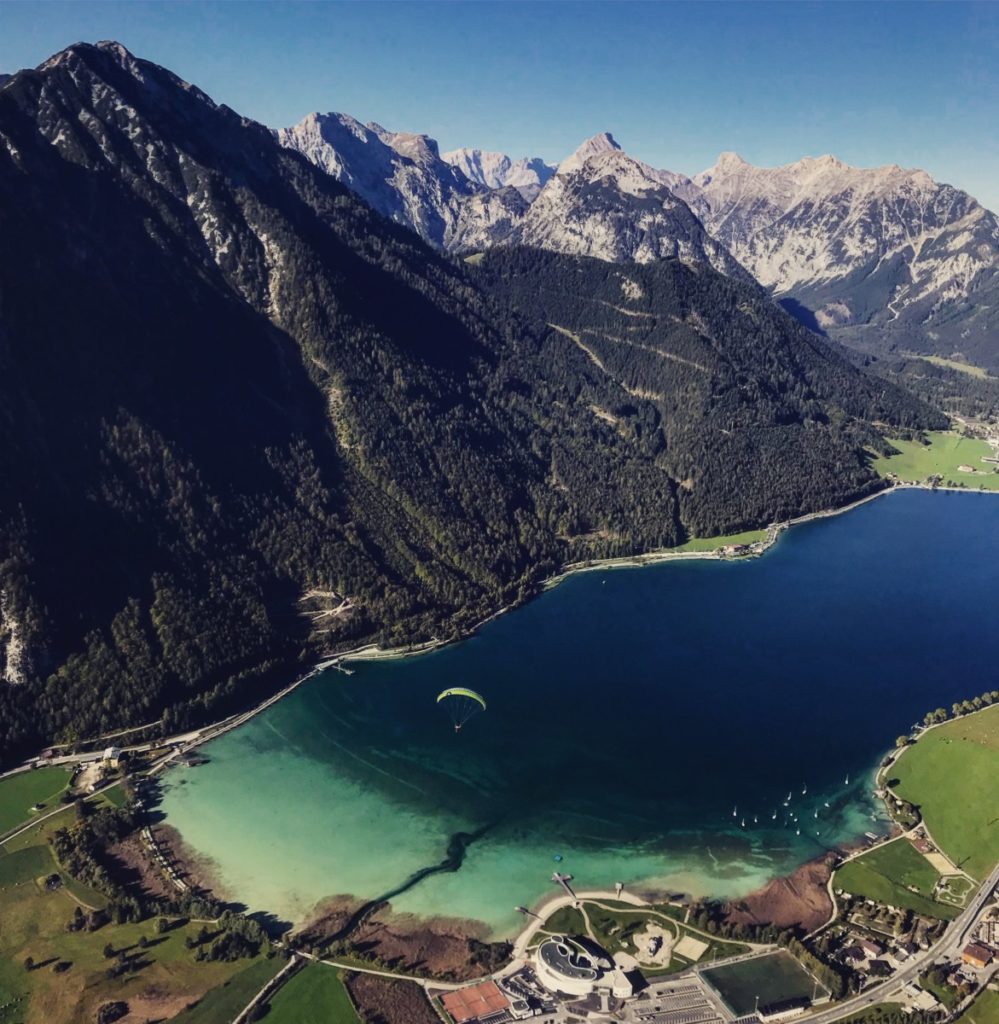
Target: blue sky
[{"x": 913, "y": 84}]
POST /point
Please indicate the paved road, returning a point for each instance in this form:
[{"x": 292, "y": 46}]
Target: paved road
[{"x": 949, "y": 946}]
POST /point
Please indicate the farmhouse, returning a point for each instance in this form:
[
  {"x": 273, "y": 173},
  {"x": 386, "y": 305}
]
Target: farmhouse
[{"x": 977, "y": 955}]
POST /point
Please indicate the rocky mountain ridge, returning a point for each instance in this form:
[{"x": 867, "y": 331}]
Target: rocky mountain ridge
[
  {"x": 399, "y": 174},
  {"x": 885, "y": 250},
  {"x": 245, "y": 419},
  {"x": 884, "y": 258},
  {"x": 497, "y": 170}
]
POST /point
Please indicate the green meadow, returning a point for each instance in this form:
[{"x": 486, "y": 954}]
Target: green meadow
[
  {"x": 19, "y": 793},
  {"x": 66, "y": 979},
  {"x": 942, "y": 457},
  {"x": 885, "y": 875},
  {"x": 712, "y": 543},
  {"x": 316, "y": 995},
  {"x": 952, "y": 774}
]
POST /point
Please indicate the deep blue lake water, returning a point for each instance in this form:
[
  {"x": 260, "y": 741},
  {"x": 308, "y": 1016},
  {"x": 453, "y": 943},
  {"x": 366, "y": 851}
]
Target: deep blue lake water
[{"x": 630, "y": 712}]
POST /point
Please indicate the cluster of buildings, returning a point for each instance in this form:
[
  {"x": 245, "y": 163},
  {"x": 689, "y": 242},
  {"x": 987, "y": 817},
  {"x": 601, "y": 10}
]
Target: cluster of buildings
[
  {"x": 877, "y": 959},
  {"x": 561, "y": 968}
]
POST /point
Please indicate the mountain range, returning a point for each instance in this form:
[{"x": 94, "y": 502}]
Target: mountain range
[
  {"x": 884, "y": 259},
  {"x": 248, "y": 417}
]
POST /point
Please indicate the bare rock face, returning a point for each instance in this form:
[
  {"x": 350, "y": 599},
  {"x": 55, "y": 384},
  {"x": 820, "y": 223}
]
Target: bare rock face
[
  {"x": 15, "y": 663},
  {"x": 611, "y": 206},
  {"x": 399, "y": 174},
  {"x": 884, "y": 248},
  {"x": 497, "y": 170},
  {"x": 598, "y": 202}
]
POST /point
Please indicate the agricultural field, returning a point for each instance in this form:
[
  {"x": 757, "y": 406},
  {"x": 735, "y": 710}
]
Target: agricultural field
[
  {"x": 771, "y": 978},
  {"x": 885, "y": 875},
  {"x": 316, "y": 995},
  {"x": 66, "y": 979},
  {"x": 952, "y": 774},
  {"x": 19, "y": 793},
  {"x": 941, "y": 457},
  {"x": 223, "y": 1002}
]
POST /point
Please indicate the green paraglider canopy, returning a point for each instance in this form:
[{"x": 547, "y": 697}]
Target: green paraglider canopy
[{"x": 461, "y": 704}]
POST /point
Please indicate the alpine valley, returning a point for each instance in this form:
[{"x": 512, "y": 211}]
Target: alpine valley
[
  {"x": 473, "y": 585},
  {"x": 272, "y": 407}
]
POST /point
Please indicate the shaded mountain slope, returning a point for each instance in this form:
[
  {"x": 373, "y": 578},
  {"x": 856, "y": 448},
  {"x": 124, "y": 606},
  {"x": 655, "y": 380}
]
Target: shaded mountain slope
[
  {"x": 245, "y": 420},
  {"x": 757, "y": 418}
]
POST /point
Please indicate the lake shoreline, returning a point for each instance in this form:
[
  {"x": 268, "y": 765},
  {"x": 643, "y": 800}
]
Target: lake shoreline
[
  {"x": 342, "y": 661},
  {"x": 661, "y": 556}
]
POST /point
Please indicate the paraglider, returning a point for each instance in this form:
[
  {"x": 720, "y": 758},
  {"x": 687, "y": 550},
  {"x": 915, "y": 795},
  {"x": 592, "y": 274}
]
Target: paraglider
[{"x": 461, "y": 704}]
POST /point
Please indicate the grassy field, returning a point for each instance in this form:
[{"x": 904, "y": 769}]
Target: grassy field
[
  {"x": 566, "y": 921},
  {"x": 774, "y": 977},
  {"x": 162, "y": 981},
  {"x": 19, "y": 793},
  {"x": 223, "y": 1002},
  {"x": 953, "y": 364},
  {"x": 984, "y": 1010},
  {"x": 316, "y": 995},
  {"x": 956, "y": 889},
  {"x": 952, "y": 774},
  {"x": 712, "y": 543},
  {"x": 885, "y": 875},
  {"x": 941, "y": 457}
]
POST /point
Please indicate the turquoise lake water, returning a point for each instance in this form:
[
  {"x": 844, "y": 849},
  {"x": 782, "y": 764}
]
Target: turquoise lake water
[{"x": 630, "y": 712}]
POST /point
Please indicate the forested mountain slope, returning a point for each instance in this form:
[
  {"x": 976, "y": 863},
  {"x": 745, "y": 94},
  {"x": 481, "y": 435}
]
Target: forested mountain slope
[
  {"x": 244, "y": 419},
  {"x": 756, "y": 418}
]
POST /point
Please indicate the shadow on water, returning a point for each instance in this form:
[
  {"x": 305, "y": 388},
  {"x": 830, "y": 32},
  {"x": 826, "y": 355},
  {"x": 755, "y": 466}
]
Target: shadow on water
[{"x": 457, "y": 847}]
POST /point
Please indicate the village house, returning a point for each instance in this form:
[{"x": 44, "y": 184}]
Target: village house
[
  {"x": 113, "y": 757},
  {"x": 977, "y": 955}
]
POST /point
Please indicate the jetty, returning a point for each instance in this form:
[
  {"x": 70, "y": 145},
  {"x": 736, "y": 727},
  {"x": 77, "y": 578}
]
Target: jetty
[{"x": 563, "y": 879}]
